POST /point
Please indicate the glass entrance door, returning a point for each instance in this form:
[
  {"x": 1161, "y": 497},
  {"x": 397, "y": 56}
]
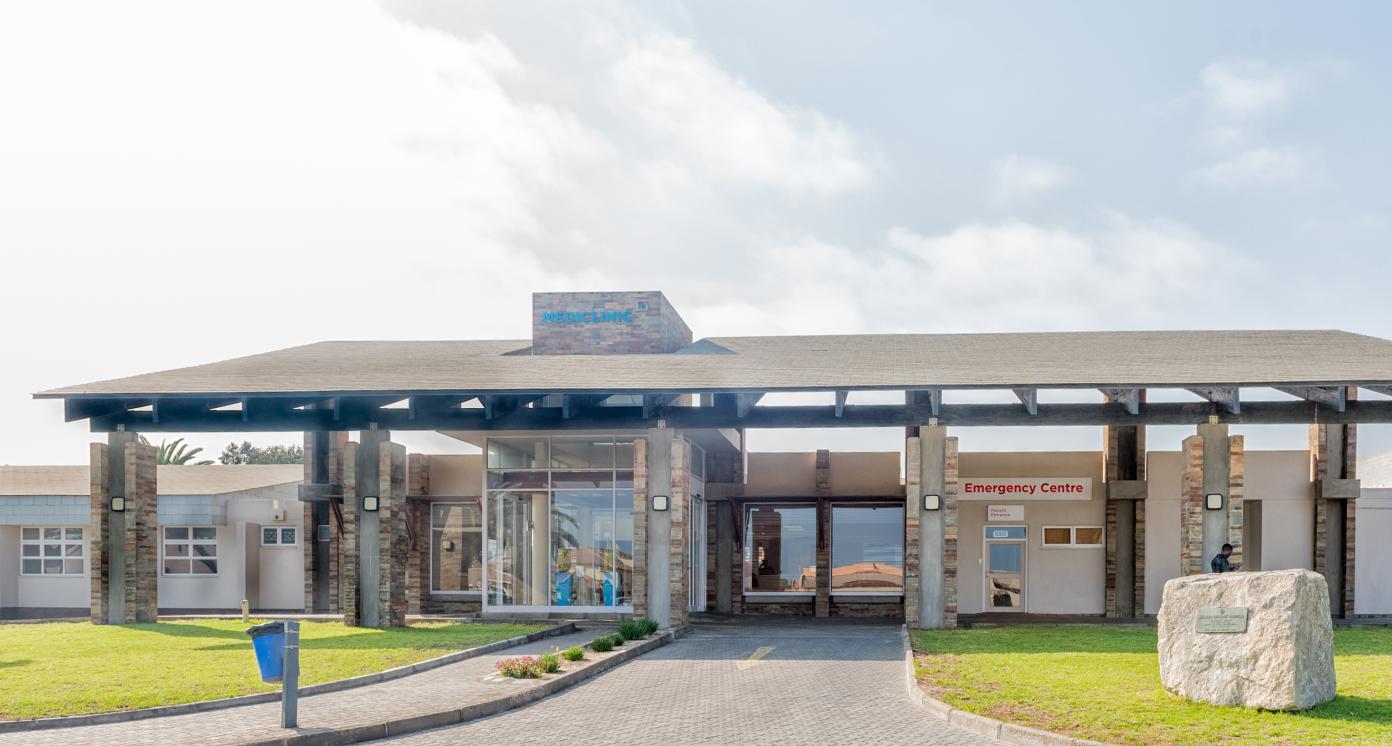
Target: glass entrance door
[
  {"x": 1004, "y": 565},
  {"x": 696, "y": 551}
]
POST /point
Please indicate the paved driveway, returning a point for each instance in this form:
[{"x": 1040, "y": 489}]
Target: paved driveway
[{"x": 779, "y": 682}]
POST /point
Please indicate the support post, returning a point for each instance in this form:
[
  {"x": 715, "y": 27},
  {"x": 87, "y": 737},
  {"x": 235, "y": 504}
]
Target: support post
[
  {"x": 1124, "y": 454},
  {"x": 1333, "y": 469},
  {"x": 823, "y": 489},
  {"x": 124, "y": 544},
  {"x": 931, "y": 535},
  {"x": 659, "y": 525},
  {"x": 1214, "y": 465}
]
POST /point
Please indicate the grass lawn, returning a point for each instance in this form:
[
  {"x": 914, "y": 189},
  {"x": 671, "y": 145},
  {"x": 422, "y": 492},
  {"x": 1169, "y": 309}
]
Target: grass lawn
[
  {"x": 56, "y": 669},
  {"x": 1103, "y": 683}
]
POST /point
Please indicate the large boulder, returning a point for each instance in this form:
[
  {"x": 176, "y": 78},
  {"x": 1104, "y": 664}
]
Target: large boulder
[{"x": 1285, "y": 659}]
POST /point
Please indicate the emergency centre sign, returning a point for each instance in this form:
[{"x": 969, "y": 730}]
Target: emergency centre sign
[{"x": 1025, "y": 488}]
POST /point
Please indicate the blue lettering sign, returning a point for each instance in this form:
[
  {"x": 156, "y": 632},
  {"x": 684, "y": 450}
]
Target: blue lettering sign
[{"x": 588, "y": 317}]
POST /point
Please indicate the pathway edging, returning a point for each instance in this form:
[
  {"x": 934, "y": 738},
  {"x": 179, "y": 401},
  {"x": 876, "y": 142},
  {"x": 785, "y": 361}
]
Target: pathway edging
[
  {"x": 979, "y": 724},
  {"x": 188, "y": 708},
  {"x": 477, "y": 710}
]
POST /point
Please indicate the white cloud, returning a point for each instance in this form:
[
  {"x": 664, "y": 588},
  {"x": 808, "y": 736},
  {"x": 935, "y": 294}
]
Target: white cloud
[
  {"x": 696, "y": 111},
  {"x": 1017, "y": 176},
  {"x": 1263, "y": 167},
  {"x": 1245, "y": 88}
]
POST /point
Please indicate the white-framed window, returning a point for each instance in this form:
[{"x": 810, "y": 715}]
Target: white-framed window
[
  {"x": 51, "y": 550},
  {"x": 279, "y": 536},
  {"x": 1085, "y": 537},
  {"x": 190, "y": 550},
  {"x": 456, "y": 547}
]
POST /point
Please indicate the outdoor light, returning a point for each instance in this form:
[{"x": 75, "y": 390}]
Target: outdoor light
[
  {"x": 661, "y": 502},
  {"x": 932, "y": 502},
  {"x": 118, "y": 504},
  {"x": 370, "y": 503},
  {"x": 1213, "y": 502}
]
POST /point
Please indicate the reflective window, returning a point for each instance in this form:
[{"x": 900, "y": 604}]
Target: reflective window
[
  {"x": 51, "y": 551},
  {"x": 456, "y": 547},
  {"x": 517, "y": 453},
  {"x": 1073, "y": 536},
  {"x": 190, "y": 550},
  {"x": 867, "y": 549},
  {"x": 780, "y": 549}
]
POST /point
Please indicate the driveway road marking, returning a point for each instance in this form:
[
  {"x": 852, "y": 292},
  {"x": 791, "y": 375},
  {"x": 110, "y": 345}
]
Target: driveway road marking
[{"x": 755, "y": 658}]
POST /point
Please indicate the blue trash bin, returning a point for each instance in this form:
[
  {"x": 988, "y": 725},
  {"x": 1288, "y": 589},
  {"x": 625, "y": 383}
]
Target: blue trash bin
[{"x": 268, "y": 640}]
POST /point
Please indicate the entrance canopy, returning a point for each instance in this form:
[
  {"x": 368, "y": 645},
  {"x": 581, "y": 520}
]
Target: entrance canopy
[{"x": 489, "y": 385}]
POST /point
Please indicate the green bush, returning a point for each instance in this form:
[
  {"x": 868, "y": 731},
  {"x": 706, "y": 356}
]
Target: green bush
[
  {"x": 648, "y": 624},
  {"x": 525, "y": 667},
  {"x": 602, "y": 644},
  {"x": 617, "y": 639},
  {"x": 631, "y": 631},
  {"x": 549, "y": 662},
  {"x": 574, "y": 654}
]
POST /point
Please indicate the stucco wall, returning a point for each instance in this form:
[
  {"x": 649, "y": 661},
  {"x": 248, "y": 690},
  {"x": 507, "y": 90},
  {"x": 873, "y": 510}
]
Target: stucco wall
[
  {"x": 456, "y": 475},
  {"x": 865, "y": 473},
  {"x": 781, "y": 474},
  {"x": 1164, "y": 474},
  {"x": 1057, "y": 580},
  {"x": 1373, "y": 566},
  {"x": 1281, "y": 481},
  {"x": 9, "y": 567},
  {"x": 53, "y": 592}
]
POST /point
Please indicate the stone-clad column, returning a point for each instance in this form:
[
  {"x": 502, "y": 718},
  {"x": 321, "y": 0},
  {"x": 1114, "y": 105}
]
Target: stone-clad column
[
  {"x": 680, "y": 552},
  {"x": 659, "y": 526},
  {"x": 124, "y": 546},
  {"x": 1333, "y": 469},
  {"x": 393, "y": 543},
  {"x": 931, "y": 576},
  {"x": 350, "y": 561},
  {"x": 1124, "y": 472},
  {"x": 639, "y": 592},
  {"x": 823, "y": 491},
  {"x": 375, "y": 542},
  {"x": 1214, "y": 464},
  {"x": 418, "y": 518}
]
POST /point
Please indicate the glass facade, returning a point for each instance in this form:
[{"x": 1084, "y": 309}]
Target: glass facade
[
  {"x": 456, "y": 547},
  {"x": 780, "y": 549},
  {"x": 559, "y": 521},
  {"x": 867, "y": 548}
]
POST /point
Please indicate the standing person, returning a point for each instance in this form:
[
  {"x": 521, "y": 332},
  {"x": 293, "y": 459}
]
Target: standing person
[{"x": 1220, "y": 561}]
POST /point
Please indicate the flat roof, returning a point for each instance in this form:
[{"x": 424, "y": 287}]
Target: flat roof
[
  {"x": 188, "y": 479},
  {"x": 1136, "y": 359}
]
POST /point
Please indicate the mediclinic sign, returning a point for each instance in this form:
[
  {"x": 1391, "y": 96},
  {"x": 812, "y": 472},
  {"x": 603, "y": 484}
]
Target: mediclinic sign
[{"x": 597, "y": 316}]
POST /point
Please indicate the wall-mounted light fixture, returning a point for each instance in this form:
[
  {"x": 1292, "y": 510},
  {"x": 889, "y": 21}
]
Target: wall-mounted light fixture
[
  {"x": 371, "y": 503},
  {"x": 449, "y": 546},
  {"x": 932, "y": 502},
  {"x": 1213, "y": 501},
  {"x": 661, "y": 502},
  {"x": 118, "y": 504}
]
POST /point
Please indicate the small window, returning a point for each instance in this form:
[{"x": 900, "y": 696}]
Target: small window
[
  {"x": 1072, "y": 536},
  {"x": 191, "y": 550},
  {"x": 279, "y": 536},
  {"x": 52, "y": 551},
  {"x": 324, "y": 532}
]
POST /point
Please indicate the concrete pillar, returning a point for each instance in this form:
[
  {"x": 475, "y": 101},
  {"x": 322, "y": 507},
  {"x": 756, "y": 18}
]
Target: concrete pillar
[
  {"x": 1214, "y": 464},
  {"x": 323, "y": 466},
  {"x": 1333, "y": 469},
  {"x": 930, "y": 593},
  {"x": 375, "y": 542},
  {"x": 124, "y": 546},
  {"x": 823, "y": 491},
  {"x": 725, "y": 557},
  {"x": 679, "y": 567},
  {"x": 418, "y": 519},
  {"x": 659, "y": 526}
]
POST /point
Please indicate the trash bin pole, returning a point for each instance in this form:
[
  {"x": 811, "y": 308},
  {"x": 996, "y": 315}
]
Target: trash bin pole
[{"x": 290, "y": 686}]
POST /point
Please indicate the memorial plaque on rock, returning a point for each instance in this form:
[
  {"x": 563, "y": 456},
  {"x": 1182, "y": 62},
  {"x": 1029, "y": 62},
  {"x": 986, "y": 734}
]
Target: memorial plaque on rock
[{"x": 1221, "y": 619}]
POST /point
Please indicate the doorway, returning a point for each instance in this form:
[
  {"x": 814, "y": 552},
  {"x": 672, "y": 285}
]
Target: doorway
[{"x": 1003, "y": 564}]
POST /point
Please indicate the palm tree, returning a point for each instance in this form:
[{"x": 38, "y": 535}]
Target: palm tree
[{"x": 176, "y": 453}]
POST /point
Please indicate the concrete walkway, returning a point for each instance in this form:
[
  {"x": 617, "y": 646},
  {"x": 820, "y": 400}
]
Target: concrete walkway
[
  {"x": 452, "y": 686},
  {"x": 776, "y": 682}
]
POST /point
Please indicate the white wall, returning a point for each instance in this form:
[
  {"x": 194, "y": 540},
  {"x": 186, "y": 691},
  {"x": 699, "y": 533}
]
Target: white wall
[
  {"x": 1372, "y": 570},
  {"x": 24, "y": 591},
  {"x": 1164, "y": 477},
  {"x": 1281, "y": 481},
  {"x": 9, "y": 567},
  {"x": 1057, "y": 580}
]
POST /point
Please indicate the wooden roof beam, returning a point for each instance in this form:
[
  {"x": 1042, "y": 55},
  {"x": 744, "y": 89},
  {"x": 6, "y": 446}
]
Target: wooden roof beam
[
  {"x": 931, "y": 397},
  {"x": 653, "y": 404},
  {"x": 841, "y": 402},
  {"x": 1129, "y": 398},
  {"x": 1227, "y": 397},
  {"x": 1333, "y": 397},
  {"x": 746, "y": 402}
]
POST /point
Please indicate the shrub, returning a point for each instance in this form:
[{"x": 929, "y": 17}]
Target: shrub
[
  {"x": 525, "y": 667},
  {"x": 573, "y": 654},
  {"x": 617, "y": 639},
  {"x": 549, "y": 662},
  {"x": 631, "y": 631},
  {"x": 648, "y": 624},
  {"x": 602, "y": 644}
]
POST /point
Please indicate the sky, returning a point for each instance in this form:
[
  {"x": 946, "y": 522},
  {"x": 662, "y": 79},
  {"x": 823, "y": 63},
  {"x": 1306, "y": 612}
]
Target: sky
[{"x": 183, "y": 182}]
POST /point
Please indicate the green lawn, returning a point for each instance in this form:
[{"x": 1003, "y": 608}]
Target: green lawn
[
  {"x": 76, "y": 668},
  {"x": 1103, "y": 683}
]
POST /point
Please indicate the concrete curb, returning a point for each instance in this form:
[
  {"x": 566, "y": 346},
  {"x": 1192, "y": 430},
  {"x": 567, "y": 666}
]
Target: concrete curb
[
  {"x": 478, "y": 710},
  {"x": 188, "y": 708},
  {"x": 979, "y": 724}
]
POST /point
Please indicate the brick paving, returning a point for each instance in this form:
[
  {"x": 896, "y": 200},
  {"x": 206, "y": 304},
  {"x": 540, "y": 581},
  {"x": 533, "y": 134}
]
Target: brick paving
[
  {"x": 779, "y": 682},
  {"x": 452, "y": 686}
]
